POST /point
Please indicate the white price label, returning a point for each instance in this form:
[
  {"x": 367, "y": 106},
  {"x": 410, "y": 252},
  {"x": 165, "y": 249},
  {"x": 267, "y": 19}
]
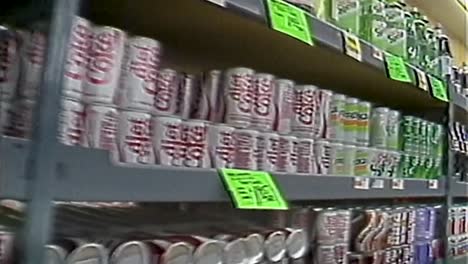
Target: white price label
[
  {"x": 377, "y": 53},
  {"x": 433, "y": 184},
  {"x": 422, "y": 79},
  {"x": 378, "y": 184},
  {"x": 361, "y": 183},
  {"x": 398, "y": 184},
  {"x": 218, "y": 2},
  {"x": 352, "y": 46}
]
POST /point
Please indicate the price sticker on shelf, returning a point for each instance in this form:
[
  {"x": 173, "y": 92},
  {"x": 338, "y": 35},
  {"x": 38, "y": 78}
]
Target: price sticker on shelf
[
  {"x": 378, "y": 184},
  {"x": 377, "y": 53},
  {"x": 439, "y": 90},
  {"x": 352, "y": 46},
  {"x": 253, "y": 190},
  {"x": 396, "y": 68},
  {"x": 361, "y": 183},
  {"x": 398, "y": 184},
  {"x": 422, "y": 79},
  {"x": 290, "y": 20},
  {"x": 433, "y": 184}
]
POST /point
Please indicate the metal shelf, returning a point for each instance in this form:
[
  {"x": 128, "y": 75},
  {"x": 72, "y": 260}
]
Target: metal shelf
[{"x": 459, "y": 189}]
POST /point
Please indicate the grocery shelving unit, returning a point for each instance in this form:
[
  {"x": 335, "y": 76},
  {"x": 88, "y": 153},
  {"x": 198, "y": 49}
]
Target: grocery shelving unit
[{"x": 41, "y": 170}]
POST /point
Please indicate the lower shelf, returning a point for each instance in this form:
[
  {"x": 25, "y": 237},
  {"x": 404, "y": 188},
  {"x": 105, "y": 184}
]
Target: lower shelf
[
  {"x": 459, "y": 189},
  {"x": 88, "y": 175}
]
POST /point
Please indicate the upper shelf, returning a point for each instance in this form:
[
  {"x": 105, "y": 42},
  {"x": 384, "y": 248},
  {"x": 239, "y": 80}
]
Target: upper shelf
[{"x": 199, "y": 35}]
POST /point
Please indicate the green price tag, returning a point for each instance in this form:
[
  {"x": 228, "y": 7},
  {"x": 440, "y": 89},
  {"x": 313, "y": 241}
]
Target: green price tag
[
  {"x": 290, "y": 20},
  {"x": 439, "y": 90},
  {"x": 253, "y": 190},
  {"x": 396, "y": 68}
]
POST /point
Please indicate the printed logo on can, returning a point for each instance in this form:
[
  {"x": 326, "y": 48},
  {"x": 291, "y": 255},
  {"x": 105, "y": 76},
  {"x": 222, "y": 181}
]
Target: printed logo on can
[
  {"x": 304, "y": 106},
  {"x": 166, "y": 89},
  {"x": 138, "y": 140},
  {"x": 194, "y": 136},
  {"x": 8, "y": 54},
  {"x": 144, "y": 66},
  {"x": 108, "y": 131},
  {"x": 80, "y": 43},
  {"x": 240, "y": 90},
  {"x": 103, "y": 56},
  {"x": 263, "y": 96},
  {"x": 36, "y": 49},
  {"x": 225, "y": 147}
]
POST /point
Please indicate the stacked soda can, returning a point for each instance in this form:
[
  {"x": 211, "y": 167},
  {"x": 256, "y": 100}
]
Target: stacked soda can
[
  {"x": 458, "y": 230},
  {"x": 21, "y": 58},
  {"x": 422, "y": 144}
]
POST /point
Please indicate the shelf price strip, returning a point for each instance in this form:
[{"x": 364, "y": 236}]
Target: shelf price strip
[
  {"x": 396, "y": 68},
  {"x": 439, "y": 90},
  {"x": 253, "y": 190},
  {"x": 290, "y": 20},
  {"x": 352, "y": 46}
]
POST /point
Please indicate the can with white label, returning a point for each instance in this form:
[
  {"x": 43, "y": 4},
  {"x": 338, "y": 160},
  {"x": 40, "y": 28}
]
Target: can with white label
[
  {"x": 22, "y": 116},
  {"x": 350, "y": 119},
  {"x": 284, "y": 102},
  {"x": 104, "y": 67},
  {"x": 348, "y": 161},
  {"x": 134, "y": 138},
  {"x": 239, "y": 96},
  {"x": 9, "y": 62},
  {"x": 305, "y": 105},
  {"x": 336, "y": 157},
  {"x": 287, "y": 154},
  {"x": 334, "y": 126},
  {"x": 263, "y": 110},
  {"x": 221, "y": 145},
  {"x": 306, "y": 162},
  {"x": 269, "y": 149},
  {"x": 168, "y": 141},
  {"x": 245, "y": 142},
  {"x": 195, "y": 141},
  {"x": 167, "y": 92},
  {"x": 322, "y": 156},
  {"x": 101, "y": 127},
  {"x": 139, "y": 75},
  {"x": 71, "y": 122},
  {"x": 321, "y": 113}
]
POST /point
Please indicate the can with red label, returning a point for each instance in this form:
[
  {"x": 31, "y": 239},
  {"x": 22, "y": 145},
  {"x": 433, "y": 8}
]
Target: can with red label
[
  {"x": 104, "y": 67},
  {"x": 321, "y": 113},
  {"x": 245, "y": 142},
  {"x": 239, "y": 97},
  {"x": 32, "y": 55},
  {"x": 139, "y": 74},
  {"x": 168, "y": 140},
  {"x": 305, "y": 100},
  {"x": 221, "y": 145},
  {"x": 305, "y": 156},
  {"x": 269, "y": 151},
  {"x": 211, "y": 101},
  {"x": 322, "y": 156},
  {"x": 76, "y": 63},
  {"x": 287, "y": 154},
  {"x": 71, "y": 122},
  {"x": 189, "y": 93},
  {"x": 101, "y": 127},
  {"x": 165, "y": 101},
  {"x": 22, "y": 115},
  {"x": 263, "y": 109},
  {"x": 195, "y": 137},
  {"x": 283, "y": 99},
  {"x": 9, "y": 63},
  {"x": 134, "y": 137}
]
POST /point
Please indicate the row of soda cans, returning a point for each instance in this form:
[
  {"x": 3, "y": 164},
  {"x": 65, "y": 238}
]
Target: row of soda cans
[
  {"x": 458, "y": 220},
  {"x": 458, "y": 245},
  {"x": 458, "y": 137}
]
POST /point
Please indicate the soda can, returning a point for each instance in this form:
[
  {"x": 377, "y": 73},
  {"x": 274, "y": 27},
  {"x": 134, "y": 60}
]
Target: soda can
[
  {"x": 22, "y": 116},
  {"x": 407, "y": 138},
  {"x": 221, "y": 145},
  {"x": 416, "y": 125},
  {"x": 334, "y": 126},
  {"x": 284, "y": 101},
  {"x": 378, "y": 131},
  {"x": 393, "y": 130},
  {"x": 211, "y": 102},
  {"x": 378, "y": 162},
  {"x": 55, "y": 254},
  {"x": 321, "y": 112},
  {"x": 146, "y": 252},
  {"x": 350, "y": 118},
  {"x": 305, "y": 105},
  {"x": 275, "y": 246},
  {"x": 167, "y": 90},
  {"x": 323, "y": 156},
  {"x": 206, "y": 250},
  {"x": 392, "y": 163},
  {"x": 134, "y": 137},
  {"x": 362, "y": 125},
  {"x": 195, "y": 143},
  {"x": 287, "y": 154},
  {"x": 239, "y": 96},
  {"x": 263, "y": 108},
  {"x": 101, "y": 127},
  {"x": 362, "y": 162},
  {"x": 32, "y": 56},
  {"x": 168, "y": 140},
  {"x": 349, "y": 157},
  {"x": 189, "y": 91},
  {"x": 254, "y": 247},
  {"x": 270, "y": 147},
  {"x": 297, "y": 243},
  {"x": 245, "y": 142},
  {"x": 234, "y": 249},
  {"x": 71, "y": 123},
  {"x": 76, "y": 63},
  {"x": 139, "y": 74},
  {"x": 104, "y": 67},
  {"x": 9, "y": 63},
  {"x": 336, "y": 157},
  {"x": 305, "y": 156},
  {"x": 89, "y": 252}
]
